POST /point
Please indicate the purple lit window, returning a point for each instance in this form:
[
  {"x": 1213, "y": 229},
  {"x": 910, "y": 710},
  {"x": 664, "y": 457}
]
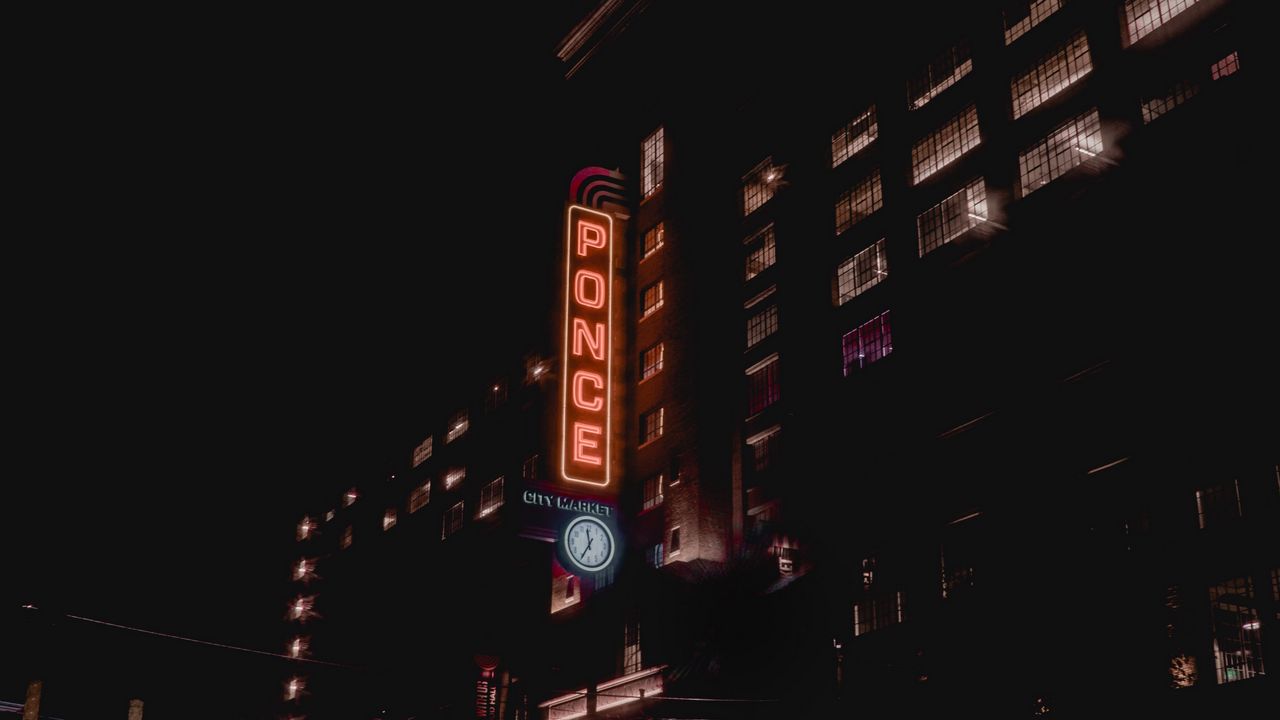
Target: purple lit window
[{"x": 870, "y": 342}]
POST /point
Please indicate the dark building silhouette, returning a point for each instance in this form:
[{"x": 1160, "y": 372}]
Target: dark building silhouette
[{"x": 945, "y": 385}]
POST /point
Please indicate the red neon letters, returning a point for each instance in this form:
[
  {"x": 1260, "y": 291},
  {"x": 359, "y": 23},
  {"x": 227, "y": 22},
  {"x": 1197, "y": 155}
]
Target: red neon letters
[{"x": 587, "y": 403}]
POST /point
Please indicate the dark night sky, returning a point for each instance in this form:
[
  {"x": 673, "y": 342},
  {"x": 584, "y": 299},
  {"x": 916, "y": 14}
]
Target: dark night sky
[{"x": 245, "y": 257}]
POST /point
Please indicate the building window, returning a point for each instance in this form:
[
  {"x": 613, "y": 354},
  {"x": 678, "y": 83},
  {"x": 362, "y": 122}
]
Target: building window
[
  {"x": 761, "y": 253},
  {"x": 305, "y": 528},
  {"x": 1142, "y": 17},
  {"x": 452, "y": 520},
  {"x": 653, "y": 240},
  {"x": 491, "y": 498},
  {"x": 651, "y": 163},
  {"x": 389, "y": 519},
  {"x": 419, "y": 497},
  {"x": 1067, "y": 146},
  {"x": 870, "y": 342},
  {"x": 1157, "y": 105},
  {"x": 761, "y": 325},
  {"x": 1218, "y": 505},
  {"x": 650, "y": 300},
  {"x": 457, "y": 426},
  {"x": 651, "y": 425},
  {"x": 943, "y": 146},
  {"x": 423, "y": 452},
  {"x": 857, "y": 203},
  {"x": 453, "y": 476},
  {"x": 675, "y": 540},
  {"x": 1052, "y": 74},
  {"x": 758, "y": 186},
  {"x": 851, "y": 138},
  {"x": 347, "y": 537},
  {"x": 350, "y": 497},
  {"x": 952, "y": 217},
  {"x": 631, "y": 648},
  {"x": 1237, "y": 642},
  {"x": 529, "y": 471},
  {"x": 945, "y": 71},
  {"x": 1022, "y": 15},
  {"x": 652, "y": 491},
  {"x": 763, "y": 449},
  {"x": 861, "y": 272},
  {"x": 877, "y": 612},
  {"x": 1226, "y": 66},
  {"x": 651, "y": 362},
  {"x": 763, "y": 388},
  {"x": 654, "y": 556}
]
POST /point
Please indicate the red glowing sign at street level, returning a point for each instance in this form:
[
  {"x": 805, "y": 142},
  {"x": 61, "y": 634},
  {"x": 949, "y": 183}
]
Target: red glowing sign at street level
[{"x": 587, "y": 402}]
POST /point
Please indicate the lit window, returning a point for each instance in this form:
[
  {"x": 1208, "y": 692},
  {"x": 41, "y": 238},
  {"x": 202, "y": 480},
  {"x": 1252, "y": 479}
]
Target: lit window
[
  {"x": 298, "y": 647},
  {"x": 304, "y": 570},
  {"x": 534, "y": 369},
  {"x": 651, "y": 425},
  {"x": 761, "y": 324},
  {"x": 859, "y": 133},
  {"x": 1069, "y": 145},
  {"x": 1226, "y": 66},
  {"x": 857, "y": 203},
  {"x": 1157, "y": 105},
  {"x": 861, "y": 272},
  {"x": 651, "y": 163},
  {"x": 786, "y": 558},
  {"x": 763, "y": 448},
  {"x": 1052, "y": 74},
  {"x": 293, "y": 688},
  {"x": 952, "y": 217},
  {"x": 423, "y": 451},
  {"x": 329, "y": 516},
  {"x": 457, "y": 426},
  {"x": 652, "y": 491},
  {"x": 529, "y": 471},
  {"x": 491, "y": 498},
  {"x": 758, "y": 186},
  {"x": 389, "y": 519},
  {"x": 945, "y": 71},
  {"x": 302, "y": 608},
  {"x": 419, "y": 497},
  {"x": 305, "y": 528},
  {"x": 1142, "y": 17},
  {"x": 452, "y": 520},
  {"x": 675, "y": 540},
  {"x": 1022, "y": 15},
  {"x": 1218, "y": 504},
  {"x": 350, "y": 497},
  {"x": 763, "y": 388},
  {"x": 761, "y": 253},
  {"x": 654, "y": 555},
  {"x": 653, "y": 240},
  {"x": 453, "y": 476},
  {"x": 651, "y": 299},
  {"x": 347, "y": 537},
  {"x": 870, "y": 342},
  {"x": 938, "y": 149},
  {"x": 651, "y": 361},
  {"x": 631, "y": 648},
  {"x": 877, "y": 612},
  {"x": 1237, "y": 639}
]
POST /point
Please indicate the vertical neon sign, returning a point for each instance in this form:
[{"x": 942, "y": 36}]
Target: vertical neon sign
[{"x": 586, "y": 410}]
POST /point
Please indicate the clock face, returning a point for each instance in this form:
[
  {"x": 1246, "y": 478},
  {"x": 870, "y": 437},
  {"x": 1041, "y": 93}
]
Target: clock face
[{"x": 589, "y": 543}]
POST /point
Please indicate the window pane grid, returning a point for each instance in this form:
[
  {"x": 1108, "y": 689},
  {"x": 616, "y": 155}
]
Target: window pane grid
[
  {"x": 651, "y": 163},
  {"x": 1019, "y": 17},
  {"x": 870, "y": 342},
  {"x": 1226, "y": 66},
  {"x": 1237, "y": 643},
  {"x": 651, "y": 361},
  {"x": 651, "y": 299},
  {"x": 764, "y": 448},
  {"x": 763, "y": 388},
  {"x": 419, "y": 497},
  {"x": 877, "y": 612},
  {"x": 452, "y": 521},
  {"x": 491, "y": 498},
  {"x": 1066, "y": 147},
  {"x": 858, "y": 202},
  {"x": 1051, "y": 75},
  {"x": 1154, "y": 107},
  {"x": 653, "y": 240},
  {"x": 652, "y": 492},
  {"x": 952, "y": 217},
  {"x": 758, "y": 186},
  {"x": 762, "y": 253},
  {"x": 938, "y": 149},
  {"x": 855, "y": 136},
  {"x": 945, "y": 71},
  {"x": 1142, "y": 17},
  {"x": 651, "y": 425},
  {"x": 761, "y": 325},
  {"x": 861, "y": 272}
]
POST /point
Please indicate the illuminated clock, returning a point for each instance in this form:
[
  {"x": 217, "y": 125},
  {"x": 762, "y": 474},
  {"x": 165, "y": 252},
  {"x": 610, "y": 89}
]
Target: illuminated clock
[{"x": 589, "y": 543}]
